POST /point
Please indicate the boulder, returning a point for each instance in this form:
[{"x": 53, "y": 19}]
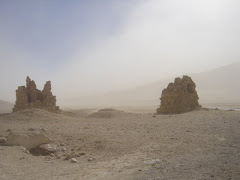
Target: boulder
[
  {"x": 29, "y": 140},
  {"x": 2, "y": 140}
]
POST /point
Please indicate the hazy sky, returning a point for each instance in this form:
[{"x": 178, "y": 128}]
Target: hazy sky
[{"x": 88, "y": 46}]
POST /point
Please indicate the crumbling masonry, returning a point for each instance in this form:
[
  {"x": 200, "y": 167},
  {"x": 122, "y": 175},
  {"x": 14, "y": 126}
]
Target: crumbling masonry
[
  {"x": 30, "y": 97},
  {"x": 179, "y": 97}
]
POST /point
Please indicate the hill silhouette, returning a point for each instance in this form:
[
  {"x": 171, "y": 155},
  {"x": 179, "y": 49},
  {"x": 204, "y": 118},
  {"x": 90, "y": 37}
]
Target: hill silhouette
[{"x": 217, "y": 86}]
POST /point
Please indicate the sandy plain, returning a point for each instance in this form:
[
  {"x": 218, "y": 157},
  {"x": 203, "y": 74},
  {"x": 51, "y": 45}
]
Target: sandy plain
[{"x": 127, "y": 145}]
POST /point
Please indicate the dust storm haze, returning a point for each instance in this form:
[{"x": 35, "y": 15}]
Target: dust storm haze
[
  {"x": 121, "y": 52},
  {"x": 108, "y": 61}
]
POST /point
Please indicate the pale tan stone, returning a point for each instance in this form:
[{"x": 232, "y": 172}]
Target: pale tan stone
[{"x": 30, "y": 97}]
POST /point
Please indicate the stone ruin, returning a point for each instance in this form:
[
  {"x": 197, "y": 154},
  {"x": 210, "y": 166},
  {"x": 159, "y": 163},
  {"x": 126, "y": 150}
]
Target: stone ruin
[
  {"x": 30, "y": 97},
  {"x": 179, "y": 97}
]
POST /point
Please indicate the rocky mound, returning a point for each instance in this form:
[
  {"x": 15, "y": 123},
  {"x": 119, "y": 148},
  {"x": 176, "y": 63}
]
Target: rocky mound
[
  {"x": 30, "y": 97},
  {"x": 180, "y": 96},
  {"x": 107, "y": 113}
]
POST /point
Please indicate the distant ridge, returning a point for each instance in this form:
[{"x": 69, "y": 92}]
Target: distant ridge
[
  {"x": 220, "y": 85},
  {"x": 5, "y": 107}
]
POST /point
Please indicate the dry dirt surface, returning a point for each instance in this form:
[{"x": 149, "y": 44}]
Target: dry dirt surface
[{"x": 202, "y": 144}]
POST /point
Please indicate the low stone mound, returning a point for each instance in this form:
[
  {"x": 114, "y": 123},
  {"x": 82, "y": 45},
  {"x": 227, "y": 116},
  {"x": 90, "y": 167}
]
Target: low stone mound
[
  {"x": 108, "y": 109},
  {"x": 179, "y": 97},
  {"x": 34, "y": 115},
  {"x": 80, "y": 113},
  {"x": 107, "y": 113}
]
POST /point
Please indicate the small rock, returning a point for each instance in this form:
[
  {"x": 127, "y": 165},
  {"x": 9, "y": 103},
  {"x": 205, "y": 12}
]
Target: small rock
[
  {"x": 73, "y": 160},
  {"x": 8, "y": 130},
  {"x": 48, "y": 148},
  {"x": 82, "y": 153},
  {"x": 61, "y": 144},
  {"x": 43, "y": 129},
  {"x": 47, "y": 158},
  {"x": 22, "y": 148},
  {"x": 58, "y": 156},
  {"x": 31, "y": 129},
  {"x": 154, "y": 161},
  {"x": 52, "y": 154},
  {"x": 21, "y": 158},
  {"x": 44, "y": 149},
  {"x": 64, "y": 148},
  {"x": 69, "y": 156},
  {"x": 2, "y": 140},
  {"x": 26, "y": 151},
  {"x": 90, "y": 159}
]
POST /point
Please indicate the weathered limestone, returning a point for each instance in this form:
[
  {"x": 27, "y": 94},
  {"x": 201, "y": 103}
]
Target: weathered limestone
[
  {"x": 29, "y": 140},
  {"x": 30, "y": 97},
  {"x": 179, "y": 97},
  {"x": 44, "y": 149}
]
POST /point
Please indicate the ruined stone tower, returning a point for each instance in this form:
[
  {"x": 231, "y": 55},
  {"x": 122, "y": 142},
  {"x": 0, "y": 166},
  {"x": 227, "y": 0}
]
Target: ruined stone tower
[
  {"x": 30, "y": 97},
  {"x": 179, "y": 97}
]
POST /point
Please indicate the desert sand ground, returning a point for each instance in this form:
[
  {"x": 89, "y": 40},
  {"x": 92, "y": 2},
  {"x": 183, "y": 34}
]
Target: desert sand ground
[{"x": 202, "y": 144}]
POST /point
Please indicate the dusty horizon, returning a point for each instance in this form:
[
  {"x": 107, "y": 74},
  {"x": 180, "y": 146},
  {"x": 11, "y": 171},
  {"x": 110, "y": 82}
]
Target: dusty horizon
[{"x": 111, "y": 46}]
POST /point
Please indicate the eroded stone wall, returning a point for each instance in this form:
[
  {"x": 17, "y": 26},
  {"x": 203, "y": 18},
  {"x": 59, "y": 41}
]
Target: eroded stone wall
[
  {"x": 180, "y": 96},
  {"x": 31, "y": 97}
]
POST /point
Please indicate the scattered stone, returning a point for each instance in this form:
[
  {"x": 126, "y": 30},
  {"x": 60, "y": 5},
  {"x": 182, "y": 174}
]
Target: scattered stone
[
  {"x": 64, "y": 148},
  {"x": 58, "y": 156},
  {"x": 30, "y": 97},
  {"x": 43, "y": 129},
  {"x": 47, "y": 158},
  {"x": 179, "y": 97},
  {"x": 52, "y": 155},
  {"x": 8, "y": 130},
  {"x": 24, "y": 149},
  {"x": 69, "y": 156},
  {"x": 21, "y": 158},
  {"x": 82, "y": 153},
  {"x": 44, "y": 149},
  {"x": 90, "y": 159},
  {"x": 151, "y": 162},
  {"x": 2, "y": 140},
  {"x": 29, "y": 140},
  {"x": 31, "y": 129},
  {"x": 73, "y": 160}
]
